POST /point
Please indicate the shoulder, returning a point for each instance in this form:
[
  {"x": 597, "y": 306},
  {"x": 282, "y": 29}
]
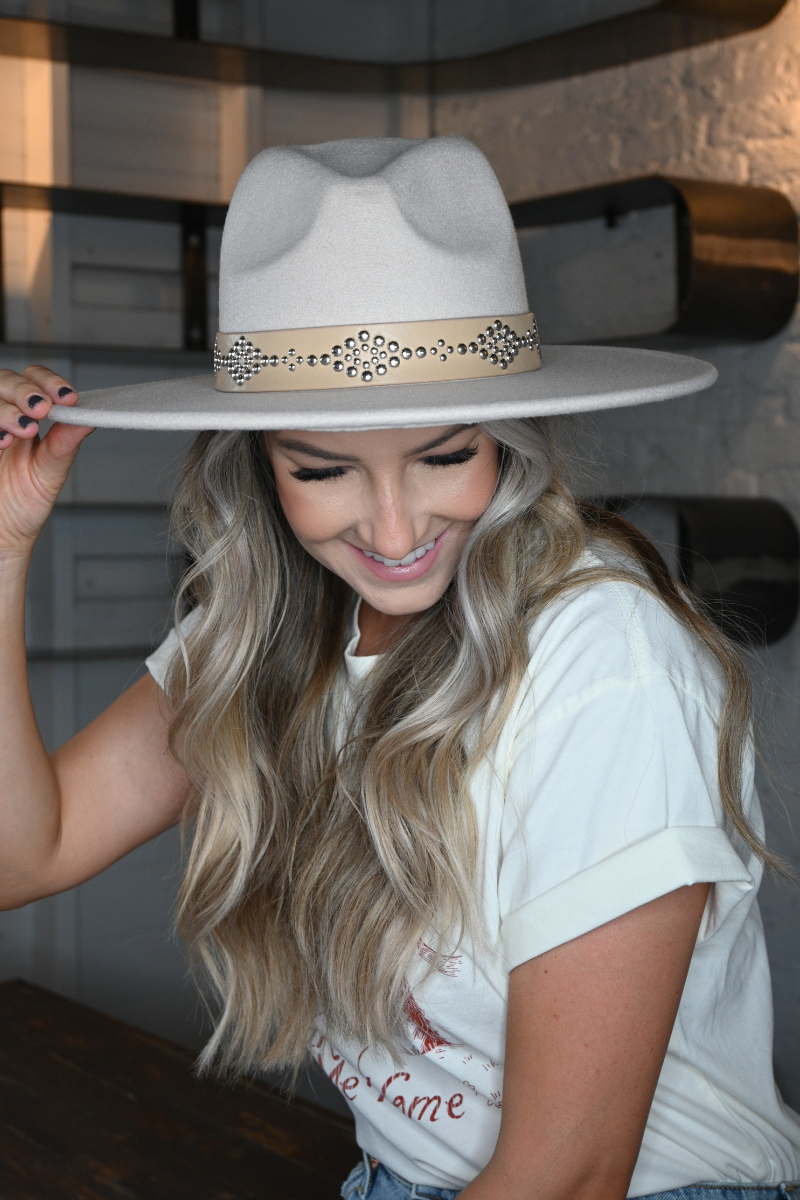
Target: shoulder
[
  {"x": 607, "y": 635},
  {"x": 611, "y": 794}
]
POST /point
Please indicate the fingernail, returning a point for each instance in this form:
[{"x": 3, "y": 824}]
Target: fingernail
[
  {"x": 34, "y": 400},
  {"x": 65, "y": 391},
  {"x": 25, "y": 421}
]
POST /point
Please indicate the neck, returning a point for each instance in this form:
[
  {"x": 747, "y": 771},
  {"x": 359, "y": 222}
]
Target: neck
[{"x": 378, "y": 631}]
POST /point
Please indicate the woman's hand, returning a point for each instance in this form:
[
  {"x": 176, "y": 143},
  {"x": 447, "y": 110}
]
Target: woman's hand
[
  {"x": 32, "y": 470},
  {"x": 588, "y": 1028}
]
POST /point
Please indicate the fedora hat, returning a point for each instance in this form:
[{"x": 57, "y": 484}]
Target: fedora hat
[{"x": 377, "y": 283}]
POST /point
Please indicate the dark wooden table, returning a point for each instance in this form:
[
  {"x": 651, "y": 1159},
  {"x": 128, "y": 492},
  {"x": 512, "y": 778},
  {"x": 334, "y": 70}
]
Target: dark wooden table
[{"x": 92, "y": 1109}]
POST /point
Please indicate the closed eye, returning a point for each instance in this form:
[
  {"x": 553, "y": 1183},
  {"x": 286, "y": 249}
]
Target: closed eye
[
  {"x": 451, "y": 460},
  {"x": 457, "y": 457},
  {"x": 307, "y": 474}
]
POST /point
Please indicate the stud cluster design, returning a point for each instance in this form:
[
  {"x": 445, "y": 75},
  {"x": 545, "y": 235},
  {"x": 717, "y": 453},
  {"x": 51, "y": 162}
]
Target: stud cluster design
[{"x": 365, "y": 356}]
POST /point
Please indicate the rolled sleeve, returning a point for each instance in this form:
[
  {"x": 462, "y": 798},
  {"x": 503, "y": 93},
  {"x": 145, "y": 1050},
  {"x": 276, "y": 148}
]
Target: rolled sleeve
[
  {"x": 671, "y": 859},
  {"x": 610, "y": 807}
]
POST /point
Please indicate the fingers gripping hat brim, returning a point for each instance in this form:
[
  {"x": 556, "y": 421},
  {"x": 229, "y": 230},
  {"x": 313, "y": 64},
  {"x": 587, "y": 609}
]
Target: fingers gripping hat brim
[{"x": 572, "y": 379}]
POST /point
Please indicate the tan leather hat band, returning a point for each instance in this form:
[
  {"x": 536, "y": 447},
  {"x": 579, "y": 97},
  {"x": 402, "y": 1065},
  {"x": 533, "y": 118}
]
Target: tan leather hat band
[{"x": 341, "y": 356}]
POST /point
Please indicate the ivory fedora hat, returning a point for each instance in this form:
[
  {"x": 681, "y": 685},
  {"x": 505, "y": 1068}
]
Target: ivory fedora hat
[{"x": 377, "y": 283}]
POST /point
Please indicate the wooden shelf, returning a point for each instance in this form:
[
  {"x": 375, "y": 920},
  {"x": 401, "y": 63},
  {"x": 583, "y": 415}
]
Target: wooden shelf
[
  {"x": 740, "y": 557},
  {"x": 95, "y": 203},
  {"x": 662, "y": 29},
  {"x": 94, "y": 1108},
  {"x": 736, "y": 248},
  {"x": 193, "y": 219}
]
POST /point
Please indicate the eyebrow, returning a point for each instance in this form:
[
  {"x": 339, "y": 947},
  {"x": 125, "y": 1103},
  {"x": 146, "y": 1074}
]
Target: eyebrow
[{"x": 330, "y": 456}]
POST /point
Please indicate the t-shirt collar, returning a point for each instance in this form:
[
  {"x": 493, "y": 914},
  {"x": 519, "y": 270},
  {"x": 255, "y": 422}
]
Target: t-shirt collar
[{"x": 357, "y": 665}]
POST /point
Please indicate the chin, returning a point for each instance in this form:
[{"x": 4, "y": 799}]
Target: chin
[{"x": 402, "y": 604}]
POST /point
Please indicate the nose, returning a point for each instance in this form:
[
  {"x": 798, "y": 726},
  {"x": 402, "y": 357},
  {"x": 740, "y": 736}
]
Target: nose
[{"x": 392, "y": 527}]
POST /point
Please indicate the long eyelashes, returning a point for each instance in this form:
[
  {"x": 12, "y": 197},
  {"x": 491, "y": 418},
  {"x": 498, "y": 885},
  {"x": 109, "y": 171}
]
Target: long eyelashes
[
  {"x": 309, "y": 474},
  {"x": 306, "y": 474},
  {"x": 451, "y": 460}
]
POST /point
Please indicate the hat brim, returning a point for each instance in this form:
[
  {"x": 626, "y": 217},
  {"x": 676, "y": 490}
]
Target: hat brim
[{"x": 572, "y": 379}]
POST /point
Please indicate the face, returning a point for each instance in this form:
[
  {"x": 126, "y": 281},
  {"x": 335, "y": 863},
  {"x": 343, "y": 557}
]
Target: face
[{"x": 388, "y": 510}]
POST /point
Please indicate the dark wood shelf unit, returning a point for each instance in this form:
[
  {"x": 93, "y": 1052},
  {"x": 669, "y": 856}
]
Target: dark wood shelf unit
[
  {"x": 737, "y": 248},
  {"x": 740, "y": 556},
  {"x": 662, "y": 29},
  {"x": 95, "y": 1108},
  {"x": 96, "y": 203}
]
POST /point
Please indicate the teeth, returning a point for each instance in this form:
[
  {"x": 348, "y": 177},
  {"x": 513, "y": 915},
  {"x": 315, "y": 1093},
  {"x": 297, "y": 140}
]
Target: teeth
[{"x": 411, "y": 557}]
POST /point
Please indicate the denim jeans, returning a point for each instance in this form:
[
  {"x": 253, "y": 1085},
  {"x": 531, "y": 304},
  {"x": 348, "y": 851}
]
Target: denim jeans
[{"x": 370, "y": 1181}]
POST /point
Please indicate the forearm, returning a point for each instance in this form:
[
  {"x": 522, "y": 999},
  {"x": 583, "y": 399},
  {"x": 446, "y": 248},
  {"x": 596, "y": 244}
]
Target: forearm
[
  {"x": 113, "y": 786},
  {"x": 543, "y": 1176},
  {"x": 588, "y": 1027},
  {"x": 29, "y": 794}
]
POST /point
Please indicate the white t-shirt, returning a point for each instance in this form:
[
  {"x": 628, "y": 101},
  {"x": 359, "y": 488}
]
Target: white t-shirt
[{"x": 600, "y": 795}]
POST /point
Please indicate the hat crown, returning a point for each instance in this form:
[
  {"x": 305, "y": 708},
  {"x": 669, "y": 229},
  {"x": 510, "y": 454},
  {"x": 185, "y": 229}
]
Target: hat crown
[{"x": 368, "y": 230}]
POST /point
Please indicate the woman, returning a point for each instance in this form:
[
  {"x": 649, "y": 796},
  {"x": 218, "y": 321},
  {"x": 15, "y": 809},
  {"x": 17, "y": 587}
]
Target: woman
[{"x": 468, "y": 779}]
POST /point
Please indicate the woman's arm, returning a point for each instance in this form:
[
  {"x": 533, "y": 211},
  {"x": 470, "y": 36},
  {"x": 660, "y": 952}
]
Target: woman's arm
[
  {"x": 588, "y": 1028},
  {"x": 66, "y": 817}
]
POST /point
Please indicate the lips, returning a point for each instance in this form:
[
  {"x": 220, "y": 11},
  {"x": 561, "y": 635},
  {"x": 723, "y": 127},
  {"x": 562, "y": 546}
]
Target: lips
[{"x": 393, "y": 570}]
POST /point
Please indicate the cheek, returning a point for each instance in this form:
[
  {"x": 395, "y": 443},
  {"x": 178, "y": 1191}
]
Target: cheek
[
  {"x": 470, "y": 494},
  {"x": 312, "y": 511}
]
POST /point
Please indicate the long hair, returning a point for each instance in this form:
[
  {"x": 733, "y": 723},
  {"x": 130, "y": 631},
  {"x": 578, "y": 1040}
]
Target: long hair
[{"x": 319, "y": 854}]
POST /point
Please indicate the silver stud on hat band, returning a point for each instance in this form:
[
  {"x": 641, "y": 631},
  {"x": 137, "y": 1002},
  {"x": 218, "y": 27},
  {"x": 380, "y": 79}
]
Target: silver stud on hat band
[{"x": 462, "y": 348}]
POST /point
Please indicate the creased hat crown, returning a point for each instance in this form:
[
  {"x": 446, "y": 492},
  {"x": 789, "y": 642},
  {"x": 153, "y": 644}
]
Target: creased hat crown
[{"x": 368, "y": 230}]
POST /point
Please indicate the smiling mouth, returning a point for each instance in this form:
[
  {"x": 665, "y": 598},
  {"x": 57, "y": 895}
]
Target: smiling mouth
[{"x": 411, "y": 557}]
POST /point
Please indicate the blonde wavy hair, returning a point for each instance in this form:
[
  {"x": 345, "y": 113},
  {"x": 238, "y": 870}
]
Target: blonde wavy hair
[{"x": 313, "y": 867}]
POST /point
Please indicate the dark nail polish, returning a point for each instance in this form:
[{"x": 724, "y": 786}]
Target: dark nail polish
[
  {"x": 34, "y": 400},
  {"x": 25, "y": 421},
  {"x": 65, "y": 391}
]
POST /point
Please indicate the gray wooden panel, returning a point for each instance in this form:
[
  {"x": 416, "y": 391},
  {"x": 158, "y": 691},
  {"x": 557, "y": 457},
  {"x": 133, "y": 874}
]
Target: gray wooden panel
[
  {"x": 119, "y": 281},
  {"x": 145, "y": 134},
  {"x": 101, "y": 579},
  {"x": 300, "y": 118},
  {"x": 120, "y": 326},
  {"x": 126, "y": 467},
  {"x": 395, "y": 31},
  {"x": 131, "y": 962},
  {"x": 114, "y": 242},
  {"x": 136, "y": 16}
]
